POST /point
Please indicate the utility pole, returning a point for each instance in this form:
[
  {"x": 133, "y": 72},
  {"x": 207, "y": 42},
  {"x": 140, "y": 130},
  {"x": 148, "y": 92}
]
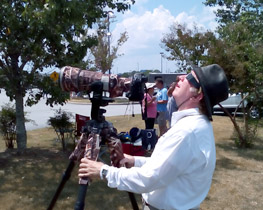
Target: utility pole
[
  {"x": 110, "y": 14},
  {"x": 161, "y": 62}
]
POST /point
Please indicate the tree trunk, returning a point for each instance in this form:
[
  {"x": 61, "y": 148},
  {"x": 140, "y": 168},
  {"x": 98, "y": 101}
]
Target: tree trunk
[
  {"x": 245, "y": 120},
  {"x": 233, "y": 120},
  {"x": 63, "y": 140},
  {"x": 21, "y": 136}
]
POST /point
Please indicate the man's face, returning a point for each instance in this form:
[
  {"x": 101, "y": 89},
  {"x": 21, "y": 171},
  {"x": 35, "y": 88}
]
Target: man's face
[
  {"x": 158, "y": 84},
  {"x": 182, "y": 89}
]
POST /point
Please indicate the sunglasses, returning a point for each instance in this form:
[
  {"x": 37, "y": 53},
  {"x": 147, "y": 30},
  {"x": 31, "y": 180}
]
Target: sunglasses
[{"x": 193, "y": 81}]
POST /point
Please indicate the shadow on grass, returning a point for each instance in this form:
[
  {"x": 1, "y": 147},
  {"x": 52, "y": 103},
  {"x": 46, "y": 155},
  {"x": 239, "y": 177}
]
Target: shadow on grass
[
  {"x": 256, "y": 152},
  {"x": 226, "y": 163},
  {"x": 32, "y": 179}
]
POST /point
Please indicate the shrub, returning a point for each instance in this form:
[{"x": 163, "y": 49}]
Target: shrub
[
  {"x": 61, "y": 123},
  {"x": 8, "y": 124}
]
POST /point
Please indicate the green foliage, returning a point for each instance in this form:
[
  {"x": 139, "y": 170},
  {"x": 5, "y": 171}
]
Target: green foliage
[
  {"x": 41, "y": 34},
  {"x": 236, "y": 46},
  {"x": 61, "y": 121},
  {"x": 7, "y": 120},
  {"x": 38, "y": 35},
  {"x": 8, "y": 124},
  {"x": 187, "y": 47},
  {"x": 235, "y": 10},
  {"x": 240, "y": 31},
  {"x": 49, "y": 89},
  {"x": 249, "y": 134},
  {"x": 104, "y": 52}
]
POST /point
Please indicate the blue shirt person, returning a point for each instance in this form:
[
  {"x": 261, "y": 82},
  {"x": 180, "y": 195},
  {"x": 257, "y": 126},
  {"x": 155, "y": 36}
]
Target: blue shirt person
[{"x": 162, "y": 99}]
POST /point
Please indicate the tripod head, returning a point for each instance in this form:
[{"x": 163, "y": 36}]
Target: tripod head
[
  {"x": 97, "y": 125},
  {"x": 98, "y": 121},
  {"x": 98, "y": 100}
]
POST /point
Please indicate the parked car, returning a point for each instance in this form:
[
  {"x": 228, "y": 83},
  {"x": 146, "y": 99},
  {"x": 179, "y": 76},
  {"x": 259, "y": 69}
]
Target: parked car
[{"x": 233, "y": 103}]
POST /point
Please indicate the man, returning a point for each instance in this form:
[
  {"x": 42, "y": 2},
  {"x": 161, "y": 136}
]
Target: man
[
  {"x": 171, "y": 104},
  {"x": 162, "y": 99},
  {"x": 179, "y": 173}
]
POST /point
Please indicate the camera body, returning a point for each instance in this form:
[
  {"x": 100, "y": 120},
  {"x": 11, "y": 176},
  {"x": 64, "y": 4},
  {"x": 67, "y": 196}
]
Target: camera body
[
  {"x": 75, "y": 79},
  {"x": 137, "y": 87}
]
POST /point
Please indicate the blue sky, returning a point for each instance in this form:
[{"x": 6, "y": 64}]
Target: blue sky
[{"x": 146, "y": 24}]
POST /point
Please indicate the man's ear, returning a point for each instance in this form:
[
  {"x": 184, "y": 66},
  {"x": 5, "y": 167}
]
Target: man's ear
[{"x": 198, "y": 97}]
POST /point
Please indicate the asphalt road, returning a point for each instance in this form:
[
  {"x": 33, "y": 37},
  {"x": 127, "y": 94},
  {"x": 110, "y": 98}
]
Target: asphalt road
[{"x": 40, "y": 112}]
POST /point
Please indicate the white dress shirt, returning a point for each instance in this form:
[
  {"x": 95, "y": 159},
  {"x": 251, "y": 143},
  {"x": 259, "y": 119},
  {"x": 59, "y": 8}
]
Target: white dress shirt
[{"x": 178, "y": 175}]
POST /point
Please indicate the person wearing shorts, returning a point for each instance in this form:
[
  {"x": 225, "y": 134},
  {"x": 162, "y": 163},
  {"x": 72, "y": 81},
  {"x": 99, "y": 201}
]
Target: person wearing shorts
[{"x": 162, "y": 99}]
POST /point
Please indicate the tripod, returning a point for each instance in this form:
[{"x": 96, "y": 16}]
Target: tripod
[{"x": 98, "y": 132}]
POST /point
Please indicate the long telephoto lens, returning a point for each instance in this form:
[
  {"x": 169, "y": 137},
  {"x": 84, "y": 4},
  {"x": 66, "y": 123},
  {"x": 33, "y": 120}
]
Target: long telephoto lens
[{"x": 75, "y": 79}]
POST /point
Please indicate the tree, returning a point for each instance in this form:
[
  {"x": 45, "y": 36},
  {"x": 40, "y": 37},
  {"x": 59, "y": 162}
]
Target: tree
[
  {"x": 187, "y": 47},
  {"x": 103, "y": 53},
  {"x": 35, "y": 35},
  {"x": 236, "y": 46},
  {"x": 241, "y": 28}
]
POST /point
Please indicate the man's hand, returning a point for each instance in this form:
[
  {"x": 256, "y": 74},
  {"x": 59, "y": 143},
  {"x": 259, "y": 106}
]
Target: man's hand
[
  {"x": 128, "y": 161},
  {"x": 89, "y": 168}
]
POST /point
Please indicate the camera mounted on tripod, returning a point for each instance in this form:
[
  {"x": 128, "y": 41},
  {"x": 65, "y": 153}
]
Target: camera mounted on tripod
[
  {"x": 75, "y": 79},
  {"x": 97, "y": 131}
]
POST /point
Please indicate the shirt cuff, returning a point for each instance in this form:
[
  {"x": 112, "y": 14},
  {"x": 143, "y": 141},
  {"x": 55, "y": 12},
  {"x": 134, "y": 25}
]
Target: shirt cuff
[{"x": 101, "y": 169}]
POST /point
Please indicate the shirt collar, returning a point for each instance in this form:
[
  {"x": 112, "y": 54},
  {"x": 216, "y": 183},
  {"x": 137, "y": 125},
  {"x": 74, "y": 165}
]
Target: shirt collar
[{"x": 176, "y": 116}]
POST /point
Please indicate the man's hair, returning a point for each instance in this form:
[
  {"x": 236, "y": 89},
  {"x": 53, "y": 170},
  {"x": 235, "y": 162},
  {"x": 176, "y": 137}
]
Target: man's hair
[
  {"x": 159, "y": 80},
  {"x": 202, "y": 105}
]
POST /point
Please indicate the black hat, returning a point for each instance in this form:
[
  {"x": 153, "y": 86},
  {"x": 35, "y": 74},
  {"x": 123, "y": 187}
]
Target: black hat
[{"x": 214, "y": 85}]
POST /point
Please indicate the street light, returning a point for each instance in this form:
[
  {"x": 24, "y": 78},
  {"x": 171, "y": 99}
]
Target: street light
[
  {"x": 110, "y": 14},
  {"x": 161, "y": 61}
]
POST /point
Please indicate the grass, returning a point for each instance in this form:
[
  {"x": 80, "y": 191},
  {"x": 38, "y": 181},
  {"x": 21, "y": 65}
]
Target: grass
[{"x": 29, "y": 181}]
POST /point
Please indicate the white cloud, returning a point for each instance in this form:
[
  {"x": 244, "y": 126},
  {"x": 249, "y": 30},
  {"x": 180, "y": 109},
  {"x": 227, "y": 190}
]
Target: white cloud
[
  {"x": 146, "y": 29},
  {"x": 207, "y": 17}
]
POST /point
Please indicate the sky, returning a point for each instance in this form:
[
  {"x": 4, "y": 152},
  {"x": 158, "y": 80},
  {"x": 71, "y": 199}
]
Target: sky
[{"x": 146, "y": 23}]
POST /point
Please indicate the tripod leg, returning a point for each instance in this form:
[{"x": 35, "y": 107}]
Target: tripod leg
[
  {"x": 79, "y": 205},
  {"x": 65, "y": 178},
  {"x": 133, "y": 201}
]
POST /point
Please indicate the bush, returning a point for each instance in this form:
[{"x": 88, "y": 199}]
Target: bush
[
  {"x": 61, "y": 123},
  {"x": 8, "y": 124}
]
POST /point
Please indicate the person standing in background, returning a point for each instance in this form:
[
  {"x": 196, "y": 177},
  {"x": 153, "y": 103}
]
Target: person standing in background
[
  {"x": 171, "y": 105},
  {"x": 162, "y": 99},
  {"x": 149, "y": 106}
]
